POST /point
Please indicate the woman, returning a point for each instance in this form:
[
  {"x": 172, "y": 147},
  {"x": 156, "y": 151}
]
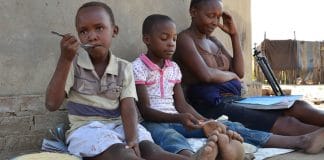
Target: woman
[{"x": 212, "y": 76}]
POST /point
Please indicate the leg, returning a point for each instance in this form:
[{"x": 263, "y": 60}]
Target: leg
[
  {"x": 255, "y": 137},
  {"x": 311, "y": 143},
  {"x": 306, "y": 113},
  {"x": 169, "y": 139},
  {"x": 275, "y": 121},
  {"x": 116, "y": 151},
  {"x": 229, "y": 143},
  {"x": 152, "y": 151},
  {"x": 290, "y": 126}
]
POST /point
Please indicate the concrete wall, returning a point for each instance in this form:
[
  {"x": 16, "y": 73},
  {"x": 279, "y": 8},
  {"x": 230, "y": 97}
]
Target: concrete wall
[{"x": 29, "y": 53}]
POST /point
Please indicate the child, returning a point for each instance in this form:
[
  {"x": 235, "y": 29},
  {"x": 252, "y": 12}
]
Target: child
[
  {"x": 161, "y": 102},
  {"x": 100, "y": 93},
  {"x": 211, "y": 74}
]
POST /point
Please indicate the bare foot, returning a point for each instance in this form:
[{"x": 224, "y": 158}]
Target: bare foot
[
  {"x": 207, "y": 152},
  {"x": 234, "y": 136},
  {"x": 314, "y": 141},
  {"x": 210, "y": 126},
  {"x": 229, "y": 149}
]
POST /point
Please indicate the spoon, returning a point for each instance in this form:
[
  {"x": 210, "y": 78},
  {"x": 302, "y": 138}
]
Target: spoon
[{"x": 85, "y": 46}]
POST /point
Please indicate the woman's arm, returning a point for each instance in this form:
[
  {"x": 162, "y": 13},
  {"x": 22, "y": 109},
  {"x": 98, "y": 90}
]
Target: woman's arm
[
  {"x": 229, "y": 27},
  {"x": 190, "y": 58}
]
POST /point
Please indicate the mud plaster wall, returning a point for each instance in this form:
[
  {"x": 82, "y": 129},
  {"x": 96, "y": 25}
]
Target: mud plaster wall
[{"x": 29, "y": 53}]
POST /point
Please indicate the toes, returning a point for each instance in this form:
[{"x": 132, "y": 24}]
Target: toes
[
  {"x": 223, "y": 140},
  {"x": 240, "y": 138},
  {"x": 230, "y": 134}
]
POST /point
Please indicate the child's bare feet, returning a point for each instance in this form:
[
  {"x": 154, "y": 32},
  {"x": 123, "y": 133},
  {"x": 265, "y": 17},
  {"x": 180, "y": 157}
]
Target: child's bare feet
[
  {"x": 314, "y": 142},
  {"x": 210, "y": 126},
  {"x": 209, "y": 151},
  {"x": 234, "y": 136},
  {"x": 229, "y": 149}
]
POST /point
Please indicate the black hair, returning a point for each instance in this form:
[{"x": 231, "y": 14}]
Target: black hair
[
  {"x": 98, "y": 4},
  {"x": 195, "y": 3},
  {"x": 152, "y": 20}
]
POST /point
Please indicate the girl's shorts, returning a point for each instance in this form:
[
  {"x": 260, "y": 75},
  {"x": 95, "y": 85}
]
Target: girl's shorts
[{"x": 96, "y": 137}]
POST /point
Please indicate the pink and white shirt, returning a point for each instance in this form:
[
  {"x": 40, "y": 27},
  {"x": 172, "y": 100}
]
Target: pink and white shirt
[{"x": 159, "y": 82}]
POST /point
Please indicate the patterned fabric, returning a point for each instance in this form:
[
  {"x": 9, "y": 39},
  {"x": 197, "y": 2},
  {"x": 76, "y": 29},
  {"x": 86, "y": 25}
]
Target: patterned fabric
[
  {"x": 94, "y": 138},
  {"x": 159, "y": 82},
  {"x": 84, "y": 87}
]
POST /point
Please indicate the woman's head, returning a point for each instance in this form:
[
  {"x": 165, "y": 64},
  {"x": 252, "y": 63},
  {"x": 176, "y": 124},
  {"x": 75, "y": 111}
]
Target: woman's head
[{"x": 206, "y": 14}]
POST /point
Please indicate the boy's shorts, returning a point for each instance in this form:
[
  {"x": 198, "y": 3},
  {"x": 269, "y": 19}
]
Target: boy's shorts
[
  {"x": 96, "y": 137},
  {"x": 172, "y": 137}
]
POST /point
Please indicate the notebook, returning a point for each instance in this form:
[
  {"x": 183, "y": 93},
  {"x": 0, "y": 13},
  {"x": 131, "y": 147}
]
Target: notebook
[{"x": 268, "y": 102}]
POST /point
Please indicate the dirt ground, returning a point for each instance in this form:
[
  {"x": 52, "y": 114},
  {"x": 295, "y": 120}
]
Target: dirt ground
[{"x": 298, "y": 156}]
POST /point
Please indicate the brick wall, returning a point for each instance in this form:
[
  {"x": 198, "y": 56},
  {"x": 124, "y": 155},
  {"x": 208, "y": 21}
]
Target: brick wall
[{"x": 24, "y": 122}]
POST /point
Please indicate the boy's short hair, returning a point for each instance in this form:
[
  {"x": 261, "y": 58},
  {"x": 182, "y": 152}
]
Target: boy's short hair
[
  {"x": 195, "y": 3},
  {"x": 98, "y": 4},
  {"x": 152, "y": 20}
]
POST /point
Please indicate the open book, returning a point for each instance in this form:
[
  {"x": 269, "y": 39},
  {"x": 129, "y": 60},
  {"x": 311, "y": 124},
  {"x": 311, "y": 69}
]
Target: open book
[{"x": 268, "y": 102}]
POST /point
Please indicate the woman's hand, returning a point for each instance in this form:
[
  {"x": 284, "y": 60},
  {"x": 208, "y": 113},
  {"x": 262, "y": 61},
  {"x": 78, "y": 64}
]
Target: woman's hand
[
  {"x": 69, "y": 46},
  {"x": 228, "y": 25}
]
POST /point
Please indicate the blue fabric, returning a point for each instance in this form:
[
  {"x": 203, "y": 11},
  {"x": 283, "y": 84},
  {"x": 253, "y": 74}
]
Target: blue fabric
[
  {"x": 172, "y": 136},
  {"x": 214, "y": 100},
  {"x": 85, "y": 110},
  {"x": 214, "y": 93},
  {"x": 257, "y": 138}
]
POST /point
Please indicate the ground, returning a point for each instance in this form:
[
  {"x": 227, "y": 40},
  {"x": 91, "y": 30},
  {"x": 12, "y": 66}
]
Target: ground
[{"x": 298, "y": 156}]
